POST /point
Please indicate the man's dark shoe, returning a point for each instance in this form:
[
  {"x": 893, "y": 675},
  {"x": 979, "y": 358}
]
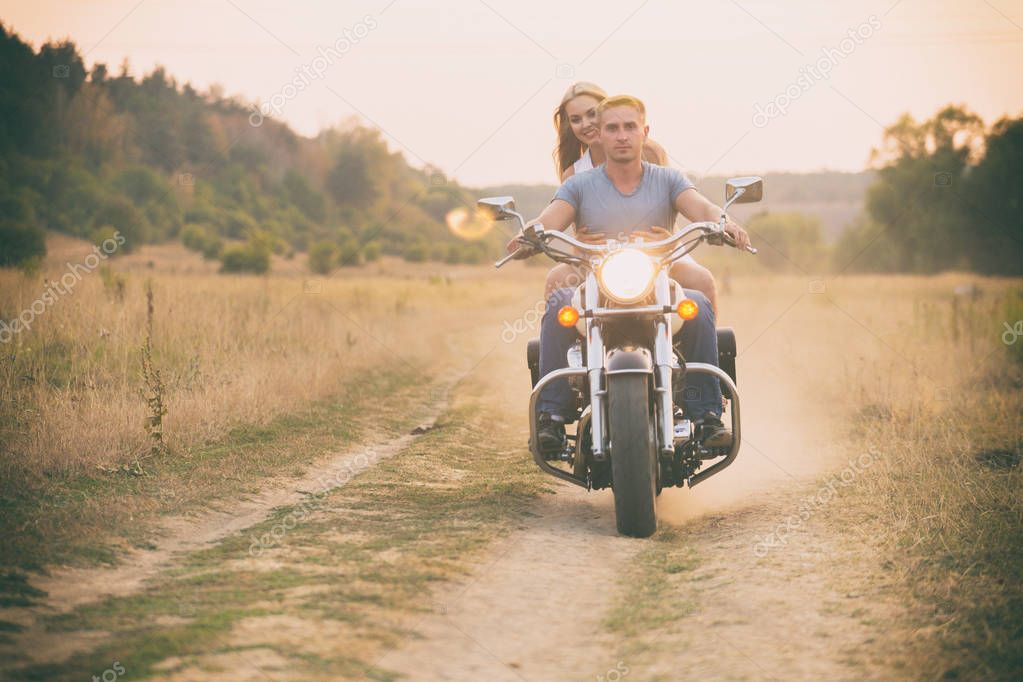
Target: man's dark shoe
[
  {"x": 550, "y": 435},
  {"x": 714, "y": 434}
]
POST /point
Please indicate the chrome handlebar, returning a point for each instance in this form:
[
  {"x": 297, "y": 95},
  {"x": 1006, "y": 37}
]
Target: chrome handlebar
[{"x": 543, "y": 237}]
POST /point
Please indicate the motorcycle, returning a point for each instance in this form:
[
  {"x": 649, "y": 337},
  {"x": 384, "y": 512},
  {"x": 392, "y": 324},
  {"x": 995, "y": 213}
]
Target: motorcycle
[{"x": 624, "y": 370}]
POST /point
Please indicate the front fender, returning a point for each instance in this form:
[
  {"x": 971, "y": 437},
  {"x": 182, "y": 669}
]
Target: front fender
[{"x": 631, "y": 361}]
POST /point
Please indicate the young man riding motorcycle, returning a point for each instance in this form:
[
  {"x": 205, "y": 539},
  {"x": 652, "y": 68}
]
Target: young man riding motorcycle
[{"x": 627, "y": 198}]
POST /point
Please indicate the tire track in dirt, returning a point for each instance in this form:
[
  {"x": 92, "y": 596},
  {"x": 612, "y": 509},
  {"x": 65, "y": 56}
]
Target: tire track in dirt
[
  {"x": 811, "y": 609},
  {"x": 545, "y": 587},
  {"x": 69, "y": 588}
]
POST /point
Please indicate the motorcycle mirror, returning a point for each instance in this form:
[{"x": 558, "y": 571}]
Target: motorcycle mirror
[
  {"x": 744, "y": 190},
  {"x": 499, "y": 208}
]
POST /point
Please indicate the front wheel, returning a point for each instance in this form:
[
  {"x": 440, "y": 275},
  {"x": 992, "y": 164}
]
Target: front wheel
[{"x": 633, "y": 453}]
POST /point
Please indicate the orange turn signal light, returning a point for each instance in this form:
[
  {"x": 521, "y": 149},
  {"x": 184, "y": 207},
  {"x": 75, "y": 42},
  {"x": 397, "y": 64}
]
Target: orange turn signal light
[
  {"x": 688, "y": 309},
  {"x": 568, "y": 316}
]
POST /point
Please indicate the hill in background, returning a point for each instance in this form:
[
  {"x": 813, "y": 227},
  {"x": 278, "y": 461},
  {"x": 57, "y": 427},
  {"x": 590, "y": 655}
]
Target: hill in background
[{"x": 834, "y": 198}]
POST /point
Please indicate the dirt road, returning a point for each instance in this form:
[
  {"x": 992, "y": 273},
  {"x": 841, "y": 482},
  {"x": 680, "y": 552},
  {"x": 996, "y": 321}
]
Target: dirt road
[{"x": 536, "y": 606}]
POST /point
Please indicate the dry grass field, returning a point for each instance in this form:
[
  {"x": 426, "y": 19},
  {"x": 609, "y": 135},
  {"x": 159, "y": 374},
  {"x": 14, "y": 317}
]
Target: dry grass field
[
  {"x": 263, "y": 377},
  {"x": 228, "y": 350}
]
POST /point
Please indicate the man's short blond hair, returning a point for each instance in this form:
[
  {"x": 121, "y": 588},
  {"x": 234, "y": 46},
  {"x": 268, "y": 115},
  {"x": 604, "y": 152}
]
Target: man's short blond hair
[{"x": 622, "y": 101}]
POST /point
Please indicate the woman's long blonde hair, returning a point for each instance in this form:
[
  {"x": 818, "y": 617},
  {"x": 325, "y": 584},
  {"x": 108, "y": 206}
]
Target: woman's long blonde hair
[{"x": 569, "y": 149}]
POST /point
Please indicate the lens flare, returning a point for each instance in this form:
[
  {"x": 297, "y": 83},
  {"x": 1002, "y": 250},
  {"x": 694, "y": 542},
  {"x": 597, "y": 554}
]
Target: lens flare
[{"x": 469, "y": 224}]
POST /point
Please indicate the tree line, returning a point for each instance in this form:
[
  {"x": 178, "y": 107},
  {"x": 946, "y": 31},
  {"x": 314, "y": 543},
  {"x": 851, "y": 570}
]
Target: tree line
[
  {"x": 948, "y": 195},
  {"x": 945, "y": 194},
  {"x": 91, "y": 153},
  {"x": 88, "y": 152}
]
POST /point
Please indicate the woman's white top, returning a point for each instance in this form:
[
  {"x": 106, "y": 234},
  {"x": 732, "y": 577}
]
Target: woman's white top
[{"x": 584, "y": 163}]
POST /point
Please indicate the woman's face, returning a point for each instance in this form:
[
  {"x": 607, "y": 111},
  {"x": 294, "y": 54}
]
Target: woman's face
[{"x": 582, "y": 116}]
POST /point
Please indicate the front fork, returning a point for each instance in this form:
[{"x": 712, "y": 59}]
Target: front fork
[
  {"x": 663, "y": 355},
  {"x": 595, "y": 370}
]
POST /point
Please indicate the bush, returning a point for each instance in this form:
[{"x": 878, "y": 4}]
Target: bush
[
  {"x": 106, "y": 233},
  {"x": 245, "y": 258},
  {"x": 212, "y": 249},
  {"x": 199, "y": 238},
  {"x": 322, "y": 257},
  {"x": 23, "y": 244},
  {"x": 349, "y": 254},
  {"x": 463, "y": 252},
  {"x": 454, "y": 254},
  {"x": 73, "y": 197},
  {"x": 438, "y": 253},
  {"x": 415, "y": 253},
  {"x": 788, "y": 241},
  {"x": 865, "y": 246},
  {"x": 371, "y": 252}
]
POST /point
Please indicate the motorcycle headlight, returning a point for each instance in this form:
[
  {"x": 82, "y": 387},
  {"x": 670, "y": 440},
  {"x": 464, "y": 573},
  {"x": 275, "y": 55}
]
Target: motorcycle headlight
[{"x": 627, "y": 275}]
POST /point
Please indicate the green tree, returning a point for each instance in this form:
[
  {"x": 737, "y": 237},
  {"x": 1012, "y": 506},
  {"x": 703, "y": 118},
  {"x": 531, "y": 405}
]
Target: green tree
[
  {"x": 21, "y": 243},
  {"x": 151, "y": 194},
  {"x": 121, "y": 214},
  {"x": 993, "y": 196},
  {"x": 361, "y": 169},
  {"x": 916, "y": 200},
  {"x": 147, "y": 155},
  {"x": 236, "y": 223},
  {"x": 299, "y": 192}
]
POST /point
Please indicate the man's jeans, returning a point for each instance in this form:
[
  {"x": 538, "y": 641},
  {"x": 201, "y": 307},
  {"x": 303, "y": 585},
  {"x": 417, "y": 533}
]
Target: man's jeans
[{"x": 697, "y": 340}]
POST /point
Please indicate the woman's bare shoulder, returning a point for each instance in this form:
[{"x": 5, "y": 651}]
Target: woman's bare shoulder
[{"x": 567, "y": 173}]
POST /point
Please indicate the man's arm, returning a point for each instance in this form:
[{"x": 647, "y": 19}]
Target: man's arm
[
  {"x": 698, "y": 208},
  {"x": 558, "y": 215}
]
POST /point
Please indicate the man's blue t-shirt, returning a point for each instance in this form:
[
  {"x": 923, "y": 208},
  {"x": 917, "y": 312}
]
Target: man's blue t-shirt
[{"x": 600, "y": 207}]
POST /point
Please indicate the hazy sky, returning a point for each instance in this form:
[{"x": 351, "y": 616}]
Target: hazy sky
[{"x": 470, "y": 86}]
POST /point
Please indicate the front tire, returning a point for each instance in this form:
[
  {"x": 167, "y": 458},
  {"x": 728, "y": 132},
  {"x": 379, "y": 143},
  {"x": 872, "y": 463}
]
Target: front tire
[{"x": 633, "y": 454}]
